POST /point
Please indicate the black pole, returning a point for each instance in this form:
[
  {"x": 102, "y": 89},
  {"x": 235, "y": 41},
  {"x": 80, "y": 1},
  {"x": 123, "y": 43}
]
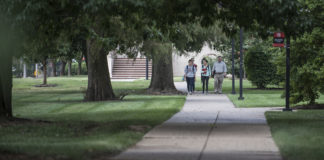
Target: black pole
[
  {"x": 287, "y": 74},
  {"x": 241, "y": 65},
  {"x": 146, "y": 67},
  {"x": 233, "y": 70}
]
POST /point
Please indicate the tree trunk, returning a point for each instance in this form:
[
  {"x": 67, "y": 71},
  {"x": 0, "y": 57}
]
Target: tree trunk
[
  {"x": 25, "y": 70},
  {"x": 62, "y": 68},
  {"x": 162, "y": 74},
  {"x": 69, "y": 67},
  {"x": 44, "y": 72},
  {"x": 99, "y": 84},
  {"x": 5, "y": 86},
  {"x": 21, "y": 65},
  {"x": 53, "y": 64},
  {"x": 79, "y": 66}
]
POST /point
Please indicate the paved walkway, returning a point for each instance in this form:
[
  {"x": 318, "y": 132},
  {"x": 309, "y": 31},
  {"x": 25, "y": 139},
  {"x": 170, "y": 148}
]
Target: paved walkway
[{"x": 209, "y": 127}]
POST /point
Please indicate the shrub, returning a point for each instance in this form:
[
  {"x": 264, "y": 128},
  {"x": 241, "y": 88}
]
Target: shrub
[
  {"x": 307, "y": 67},
  {"x": 259, "y": 68}
]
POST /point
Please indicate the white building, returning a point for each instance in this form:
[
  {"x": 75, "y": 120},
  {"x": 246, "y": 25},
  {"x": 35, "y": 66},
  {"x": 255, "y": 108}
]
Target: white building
[{"x": 121, "y": 67}]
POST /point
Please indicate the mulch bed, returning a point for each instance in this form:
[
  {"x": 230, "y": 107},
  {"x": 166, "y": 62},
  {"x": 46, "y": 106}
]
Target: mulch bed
[
  {"x": 315, "y": 106},
  {"x": 46, "y": 85},
  {"x": 15, "y": 121},
  {"x": 4, "y": 155},
  {"x": 166, "y": 92},
  {"x": 264, "y": 89},
  {"x": 16, "y": 156}
]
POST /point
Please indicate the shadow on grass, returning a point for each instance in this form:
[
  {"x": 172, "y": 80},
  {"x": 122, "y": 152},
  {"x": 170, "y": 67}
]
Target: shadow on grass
[
  {"x": 79, "y": 135},
  {"x": 129, "y": 114},
  {"x": 33, "y": 93},
  {"x": 50, "y": 98},
  {"x": 254, "y": 91}
]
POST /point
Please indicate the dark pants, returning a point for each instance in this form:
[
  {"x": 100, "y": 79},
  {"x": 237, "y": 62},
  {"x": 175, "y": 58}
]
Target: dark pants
[
  {"x": 190, "y": 83},
  {"x": 205, "y": 80},
  {"x": 194, "y": 82}
]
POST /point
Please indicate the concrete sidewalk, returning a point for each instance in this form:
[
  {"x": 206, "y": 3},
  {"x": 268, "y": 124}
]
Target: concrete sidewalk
[{"x": 208, "y": 127}]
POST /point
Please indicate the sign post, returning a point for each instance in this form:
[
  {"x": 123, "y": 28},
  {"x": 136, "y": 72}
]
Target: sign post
[
  {"x": 287, "y": 75},
  {"x": 241, "y": 65},
  {"x": 146, "y": 69},
  {"x": 279, "y": 41}
]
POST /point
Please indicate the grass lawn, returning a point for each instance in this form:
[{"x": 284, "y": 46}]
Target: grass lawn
[
  {"x": 299, "y": 135},
  {"x": 252, "y": 97},
  {"x": 76, "y": 129},
  {"x": 177, "y": 79},
  {"x": 75, "y": 84}
]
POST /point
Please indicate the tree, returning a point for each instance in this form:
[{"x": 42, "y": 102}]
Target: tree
[
  {"x": 168, "y": 26},
  {"x": 162, "y": 71},
  {"x": 5, "y": 79},
  {"x": 307, "y": 63},
  {"x": 44, "y": 28},
  {"x": 5, "y": 84},
  {"x": 137, "y": 22},
  {"x": 40, "y": 52},
  {"x": 8, "y": 41},
  {"x": 53, "y": 66},
  {"x": 106, "y": 21},
  {"x": 65, "y": 53},
  {"x": 79, "y": 49},
  {"x": 62, "y": 67},
  {"x": 307, "y": 67}
]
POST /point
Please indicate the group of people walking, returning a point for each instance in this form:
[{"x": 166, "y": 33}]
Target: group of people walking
[{"x": 218, "y": 72}]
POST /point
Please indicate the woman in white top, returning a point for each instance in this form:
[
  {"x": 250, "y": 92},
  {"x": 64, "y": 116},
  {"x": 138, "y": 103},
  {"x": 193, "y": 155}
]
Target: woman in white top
[{"x": 190, "y": 72}]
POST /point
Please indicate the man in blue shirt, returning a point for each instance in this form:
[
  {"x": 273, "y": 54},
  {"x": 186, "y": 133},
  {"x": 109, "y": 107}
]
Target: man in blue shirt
[{"x": 219, "y": 70}]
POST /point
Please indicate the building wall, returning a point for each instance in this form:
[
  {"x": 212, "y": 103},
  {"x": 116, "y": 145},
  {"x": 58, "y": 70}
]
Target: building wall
[{"x": 110, "y": 59}]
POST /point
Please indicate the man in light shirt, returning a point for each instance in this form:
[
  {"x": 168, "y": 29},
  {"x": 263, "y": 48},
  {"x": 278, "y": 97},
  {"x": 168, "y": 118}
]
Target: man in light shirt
[{"x": 219, "y": 71}]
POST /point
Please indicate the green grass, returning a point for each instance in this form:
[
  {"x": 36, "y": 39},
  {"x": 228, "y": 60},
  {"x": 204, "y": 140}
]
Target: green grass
[
  {"x": 80, "y": 129},
  {"x": 299, "y": 135},
  {"x": 177, "y": 79},
  {"x": 75, "y": 84},
  {"x": 252, "y": 97}
]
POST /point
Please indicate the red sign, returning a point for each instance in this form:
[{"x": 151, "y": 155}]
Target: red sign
[{"x": 278, "y": 39}]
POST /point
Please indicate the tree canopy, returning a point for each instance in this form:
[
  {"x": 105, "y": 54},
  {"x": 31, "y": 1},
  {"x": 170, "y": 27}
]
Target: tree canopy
[{"x": 61, "y": 28}]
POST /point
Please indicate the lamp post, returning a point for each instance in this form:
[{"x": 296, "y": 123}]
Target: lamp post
[
  {"x": 241, "y": 65},
  {"x": 287, "y": 74},
  {"x": 233, "y": 70},
  {"x": 147, "y": 70}
]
